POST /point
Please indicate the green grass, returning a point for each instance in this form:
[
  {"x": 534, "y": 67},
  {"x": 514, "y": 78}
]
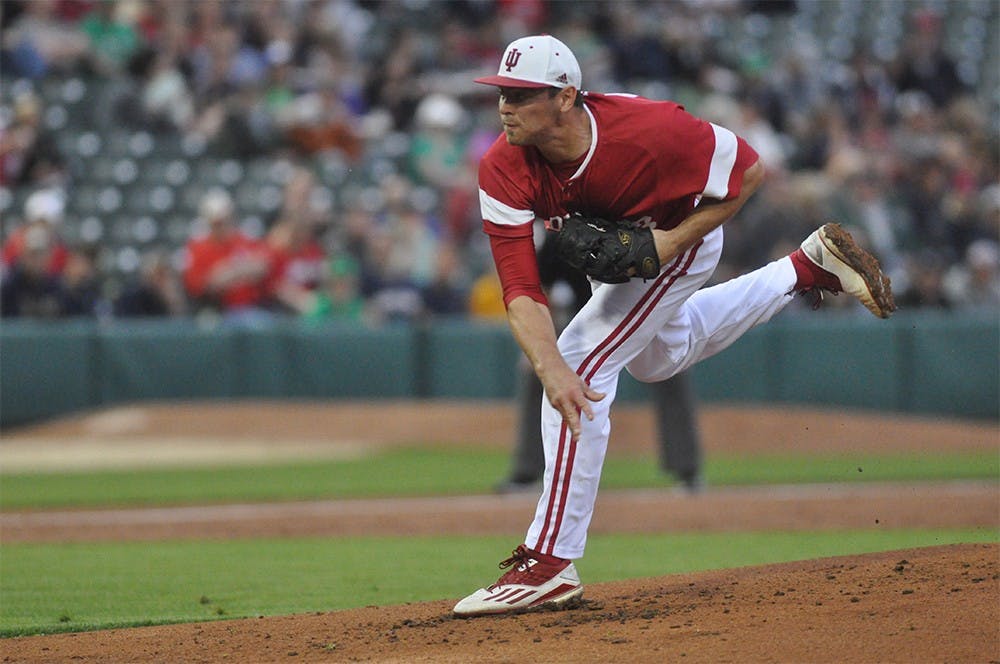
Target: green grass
[
  {"x": 50, "y": 588},
  {"x": 435, "y": 471}
]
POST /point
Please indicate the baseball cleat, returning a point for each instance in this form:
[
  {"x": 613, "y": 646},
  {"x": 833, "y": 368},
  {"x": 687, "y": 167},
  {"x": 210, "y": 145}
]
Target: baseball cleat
[
  {"x": 531, "y": 583},
  {"x": 845, "y": 266}
]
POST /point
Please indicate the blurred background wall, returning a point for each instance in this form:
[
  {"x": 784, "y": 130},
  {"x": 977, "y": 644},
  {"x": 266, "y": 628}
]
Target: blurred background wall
[{"x": 333, "y": 144}]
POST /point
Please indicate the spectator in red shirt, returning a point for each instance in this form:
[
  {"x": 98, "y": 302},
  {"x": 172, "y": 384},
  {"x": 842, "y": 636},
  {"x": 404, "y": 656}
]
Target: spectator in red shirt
[
  {"x": 299, "y": 263},
  {"x": 28, "y": 289},
  {"x": 300, "y": 260},
  {"x": 227, "y": 270},
  {"x": 42, "y": 208}
]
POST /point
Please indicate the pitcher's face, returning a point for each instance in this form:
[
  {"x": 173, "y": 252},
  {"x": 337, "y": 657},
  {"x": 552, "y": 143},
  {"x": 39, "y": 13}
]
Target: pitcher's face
[{"x": 528, "y": 114}]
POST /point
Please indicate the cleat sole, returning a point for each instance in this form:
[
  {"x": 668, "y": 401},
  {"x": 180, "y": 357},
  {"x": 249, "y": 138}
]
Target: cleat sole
[{"x": 877, "y": 294}]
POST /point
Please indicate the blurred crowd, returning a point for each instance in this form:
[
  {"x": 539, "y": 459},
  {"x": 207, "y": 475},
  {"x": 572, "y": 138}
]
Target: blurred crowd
[{"x": 899, "y": 144}]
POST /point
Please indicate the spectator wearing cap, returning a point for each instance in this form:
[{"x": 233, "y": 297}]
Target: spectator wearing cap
[
  {"x": 440, "y": 157},
  {"x": 339, "y": 296},
  {"x": 975, "y": 283},
  {"x": 437, "y": 151},
  {"x": 227, "y": 271},
  {"x": 299, "y": 259},
  {"x": 29, "y": 153},
  {"x": 29, "y": 289},
  {"x": 42, "y": 209}
]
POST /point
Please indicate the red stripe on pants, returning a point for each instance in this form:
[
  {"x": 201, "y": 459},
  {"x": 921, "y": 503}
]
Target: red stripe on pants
[{"x": 629, "y": 324}]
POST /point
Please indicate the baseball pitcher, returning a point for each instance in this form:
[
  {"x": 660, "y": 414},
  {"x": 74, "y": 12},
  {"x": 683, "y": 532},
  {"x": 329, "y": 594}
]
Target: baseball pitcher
[{"x": 638, "y": 191}]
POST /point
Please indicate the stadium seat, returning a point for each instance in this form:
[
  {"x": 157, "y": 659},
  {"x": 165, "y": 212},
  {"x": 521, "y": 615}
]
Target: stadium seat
[
  {"x": 90, "y": 230},
  {"x": 177, "y": 229},
  {"x": 127, "y": 260},
  {"x": 145, "y": 230}
]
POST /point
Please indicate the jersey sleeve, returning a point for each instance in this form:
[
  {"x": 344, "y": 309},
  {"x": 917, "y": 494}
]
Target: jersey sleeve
[
  {"x": 731, "y": 157},
  {"x": 505, "y": 201},
  {"x": 517, "y": 268},
  {"x": 709, "y": 159}
]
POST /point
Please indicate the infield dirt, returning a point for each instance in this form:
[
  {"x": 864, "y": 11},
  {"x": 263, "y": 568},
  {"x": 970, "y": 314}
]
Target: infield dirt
[{"x": 939, "y": 604}]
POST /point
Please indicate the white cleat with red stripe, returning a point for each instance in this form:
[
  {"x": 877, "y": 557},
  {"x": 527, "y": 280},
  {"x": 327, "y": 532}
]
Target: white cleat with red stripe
[{"x": 533, "y": 581}]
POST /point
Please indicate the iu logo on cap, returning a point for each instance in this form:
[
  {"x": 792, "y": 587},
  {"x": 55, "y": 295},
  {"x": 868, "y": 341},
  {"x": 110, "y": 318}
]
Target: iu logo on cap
[{"x": 512, "y": 59}]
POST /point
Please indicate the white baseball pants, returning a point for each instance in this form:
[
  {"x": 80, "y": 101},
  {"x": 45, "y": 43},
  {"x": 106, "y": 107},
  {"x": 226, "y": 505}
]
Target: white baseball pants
[{"x": 653, "y": 329}]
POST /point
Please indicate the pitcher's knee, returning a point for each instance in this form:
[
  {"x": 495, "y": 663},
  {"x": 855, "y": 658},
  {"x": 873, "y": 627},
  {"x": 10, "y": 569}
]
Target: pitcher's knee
[
  {"x": 644, "y": 375},
  {"x": 656, "y": 364}
]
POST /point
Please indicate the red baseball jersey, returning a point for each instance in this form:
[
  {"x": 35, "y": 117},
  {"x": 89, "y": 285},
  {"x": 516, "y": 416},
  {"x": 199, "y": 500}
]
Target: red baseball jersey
[
  {"x": 205, "y": 254},
  {"x": 649, "y": 162},
  {"x": 304, "y": 266},
  {"x": 14, "y": 247}
]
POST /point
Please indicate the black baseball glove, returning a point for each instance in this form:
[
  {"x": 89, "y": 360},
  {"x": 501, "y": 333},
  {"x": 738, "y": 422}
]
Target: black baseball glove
[{"x": 611, "y": 252}]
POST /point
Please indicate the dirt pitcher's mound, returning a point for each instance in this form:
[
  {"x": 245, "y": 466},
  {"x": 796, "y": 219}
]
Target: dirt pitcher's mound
[{"x": 921, "y": 605}]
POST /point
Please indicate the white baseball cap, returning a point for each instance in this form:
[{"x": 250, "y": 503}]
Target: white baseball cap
[
  {"x": 539, "y": 61},
  {"x": 216, "y": 204},
  {"x": 44, "y": 204}
]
